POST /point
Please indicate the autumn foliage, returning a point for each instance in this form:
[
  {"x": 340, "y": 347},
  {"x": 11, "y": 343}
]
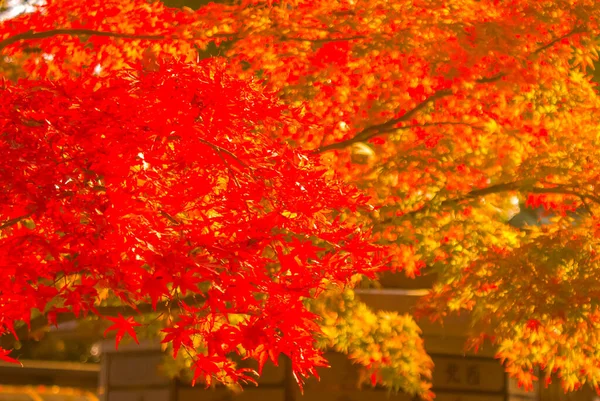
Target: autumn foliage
[
  {"x": 165, "y": 188},
  {"x": 128, "y": 165}
]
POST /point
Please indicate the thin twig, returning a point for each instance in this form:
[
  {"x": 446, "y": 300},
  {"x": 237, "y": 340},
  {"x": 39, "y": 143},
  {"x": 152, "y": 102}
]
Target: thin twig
[
  {"x": 170, "y": 218},
  {"x": 219, "y": 149},
  {"x": 586, "y": 205}
]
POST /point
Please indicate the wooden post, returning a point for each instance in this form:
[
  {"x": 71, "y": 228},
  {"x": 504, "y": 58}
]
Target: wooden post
[
  {"x": 290, "y": 386},
  {"x": 132, "y": 373}
]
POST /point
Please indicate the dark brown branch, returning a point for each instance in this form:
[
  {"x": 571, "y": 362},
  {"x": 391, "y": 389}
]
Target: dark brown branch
[
  {"x": 12, "y": 222},
  {"x": 565, "y": 190},
  {"x": 322, "y": 41},
  {"x": 388, "y": 126},
  {"x": 491, "y": 79},
  {"x": 31, "y": 35},
  {"x": 375, "y": 130},
  {"x": 434, "y": 124},
  {"x": 527, "y": 186},
  {"x": 574, "y": 31},
  {"x": 498, "y": 188}
]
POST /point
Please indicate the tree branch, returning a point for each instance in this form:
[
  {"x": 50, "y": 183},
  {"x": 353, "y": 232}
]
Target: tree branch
[
  {"x": 374, "y": 130},
  {"x": 12, "y": 222},
  {"x": 562, "y": 189},
  {"x": 386, "y": 127},
  {"x": 574, "y": 31},
  {"x": 7, "y": 341},
  {"x": 434, "y": 124},
  {"x": 526, "y": 185},
  {"x": 322, "y": 41},
  {"x": 31, "y": 35}
]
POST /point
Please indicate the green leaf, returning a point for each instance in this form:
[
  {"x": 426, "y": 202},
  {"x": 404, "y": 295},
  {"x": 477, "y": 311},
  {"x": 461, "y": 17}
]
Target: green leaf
[{"x": 30, "y": 224}]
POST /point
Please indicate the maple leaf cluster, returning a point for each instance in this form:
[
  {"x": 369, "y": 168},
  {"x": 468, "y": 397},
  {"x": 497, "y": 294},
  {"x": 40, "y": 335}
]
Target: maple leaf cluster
[{"x": 153, "y": 184}]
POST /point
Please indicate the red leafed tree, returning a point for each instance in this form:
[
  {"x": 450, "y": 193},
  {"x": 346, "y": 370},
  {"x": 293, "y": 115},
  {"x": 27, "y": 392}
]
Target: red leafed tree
[
  {"x": 449, "y": 114},
  {"x": 163, "y": 186}
]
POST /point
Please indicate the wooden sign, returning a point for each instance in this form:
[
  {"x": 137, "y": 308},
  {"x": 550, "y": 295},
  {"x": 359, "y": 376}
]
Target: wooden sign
[{"x": 467, "y": 373}]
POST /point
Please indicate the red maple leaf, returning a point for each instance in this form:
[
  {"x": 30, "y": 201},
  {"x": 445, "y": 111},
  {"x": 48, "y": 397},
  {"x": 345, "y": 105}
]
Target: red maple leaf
[
  {"x": 122, "y": 326},
  {"x": 178, "y": 336},
  {"x": 533, "y": 324},
  {"x": 4, "y": 356}
]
